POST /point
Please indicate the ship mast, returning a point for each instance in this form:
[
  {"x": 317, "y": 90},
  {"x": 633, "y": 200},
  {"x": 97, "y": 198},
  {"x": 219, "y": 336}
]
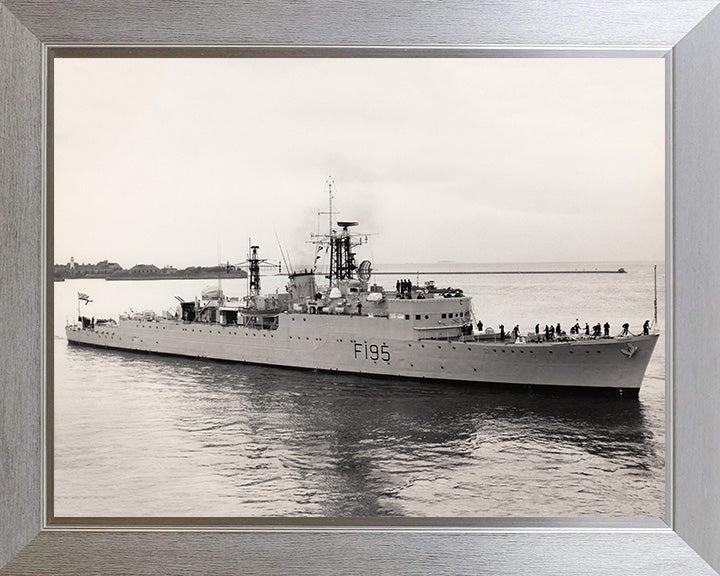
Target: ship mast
[
  {"x": 330, "y": 214},
  {"x": 342, "y": 257},
  {"x": 254, "y": 264},
  {"x": 655, "y": 302}
]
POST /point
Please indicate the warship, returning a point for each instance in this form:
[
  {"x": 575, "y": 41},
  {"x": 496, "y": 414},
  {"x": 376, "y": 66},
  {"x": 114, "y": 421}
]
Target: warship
[{"x": 339, "y": 321}]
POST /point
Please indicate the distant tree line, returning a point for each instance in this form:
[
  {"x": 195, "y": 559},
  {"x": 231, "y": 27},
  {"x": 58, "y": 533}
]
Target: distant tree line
[{"x": 113, "y": 270}]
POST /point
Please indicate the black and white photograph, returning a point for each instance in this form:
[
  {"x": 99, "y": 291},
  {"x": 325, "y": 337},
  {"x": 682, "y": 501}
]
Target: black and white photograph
[{"x": 358, "y": 287}]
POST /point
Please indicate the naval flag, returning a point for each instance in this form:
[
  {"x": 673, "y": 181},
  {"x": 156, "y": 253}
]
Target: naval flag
[{"x": 84, "y": 297}]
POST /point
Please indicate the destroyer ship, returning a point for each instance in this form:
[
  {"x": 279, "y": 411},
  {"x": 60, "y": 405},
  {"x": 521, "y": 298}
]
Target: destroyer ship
[{"x": 341, "y": 322}]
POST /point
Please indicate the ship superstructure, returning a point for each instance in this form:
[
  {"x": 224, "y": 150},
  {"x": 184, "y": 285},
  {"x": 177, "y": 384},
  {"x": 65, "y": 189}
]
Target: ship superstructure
[{"x": 343, "y": 322}]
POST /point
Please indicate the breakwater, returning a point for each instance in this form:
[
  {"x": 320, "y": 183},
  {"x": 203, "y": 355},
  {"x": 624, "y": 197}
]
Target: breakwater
[{"x": 495, "y": 272}]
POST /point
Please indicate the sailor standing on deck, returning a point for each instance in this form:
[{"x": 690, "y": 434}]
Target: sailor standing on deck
[{"x": 646, "y": 328}]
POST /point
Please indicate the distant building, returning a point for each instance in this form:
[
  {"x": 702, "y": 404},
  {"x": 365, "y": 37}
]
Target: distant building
[{"x": 144, "y": 269}]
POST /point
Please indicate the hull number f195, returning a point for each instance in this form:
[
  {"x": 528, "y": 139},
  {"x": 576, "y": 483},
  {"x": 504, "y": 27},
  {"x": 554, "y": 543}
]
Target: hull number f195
[{"x": 365, "y": 351}]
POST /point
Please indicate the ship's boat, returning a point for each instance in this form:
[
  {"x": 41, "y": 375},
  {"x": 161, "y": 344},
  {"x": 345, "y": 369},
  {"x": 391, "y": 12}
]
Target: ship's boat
[{"x": 351, "y": 325}]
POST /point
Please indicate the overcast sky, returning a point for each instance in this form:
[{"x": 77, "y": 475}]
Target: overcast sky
[{"x": 170, "y": 161}]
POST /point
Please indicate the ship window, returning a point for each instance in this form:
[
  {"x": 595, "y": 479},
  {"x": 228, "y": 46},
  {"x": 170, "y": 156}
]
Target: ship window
[
  {"x": 417, "y": 316},
  {"x": 407, "y": 316},
  {"x": 426, "y": 316},
  {"x": 444, "y": 316}
]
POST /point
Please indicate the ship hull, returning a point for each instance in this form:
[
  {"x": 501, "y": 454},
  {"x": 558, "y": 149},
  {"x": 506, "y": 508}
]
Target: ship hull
[{"x": 388, "y": 348}]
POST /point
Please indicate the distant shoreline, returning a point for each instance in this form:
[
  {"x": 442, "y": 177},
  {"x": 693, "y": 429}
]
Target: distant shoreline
[
  {"x": 378, "y": 273},
  {"x": 136, "y": 277}
]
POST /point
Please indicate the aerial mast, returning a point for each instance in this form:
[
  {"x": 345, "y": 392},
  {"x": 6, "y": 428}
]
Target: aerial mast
[
  {"x": 330, "y": 214},
  {"x": 655, "y": 302}
]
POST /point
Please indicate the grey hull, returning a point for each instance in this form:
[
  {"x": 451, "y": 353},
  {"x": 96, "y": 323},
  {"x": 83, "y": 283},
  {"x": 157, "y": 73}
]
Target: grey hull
[{"x": 387, "y": 347}]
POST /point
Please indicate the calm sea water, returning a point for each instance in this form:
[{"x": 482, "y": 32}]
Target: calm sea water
[{"x": 144, "y": 435}]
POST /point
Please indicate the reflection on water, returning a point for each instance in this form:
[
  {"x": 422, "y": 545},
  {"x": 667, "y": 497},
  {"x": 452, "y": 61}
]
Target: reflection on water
[{"x": 187, "y": 437}]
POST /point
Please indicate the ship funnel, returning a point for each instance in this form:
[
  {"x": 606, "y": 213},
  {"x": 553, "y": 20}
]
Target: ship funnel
[{"x": 302, "y": 286}]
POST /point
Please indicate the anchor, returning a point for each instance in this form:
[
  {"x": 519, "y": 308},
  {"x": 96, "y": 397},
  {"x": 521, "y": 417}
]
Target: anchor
[{"x": 630, "y": 350}]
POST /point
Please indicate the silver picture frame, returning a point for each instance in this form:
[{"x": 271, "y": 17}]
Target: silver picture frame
[{"x": 684, "y": 32}]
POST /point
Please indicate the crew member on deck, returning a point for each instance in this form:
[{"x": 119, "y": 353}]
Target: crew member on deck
[
  {"x": 606, "y": 328},
  {"x": 625, "y": 330},
  {"x": 646, "y": 328},
  {"x": 480, "y": 325},
  {"x": 502, "y": 332}
]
